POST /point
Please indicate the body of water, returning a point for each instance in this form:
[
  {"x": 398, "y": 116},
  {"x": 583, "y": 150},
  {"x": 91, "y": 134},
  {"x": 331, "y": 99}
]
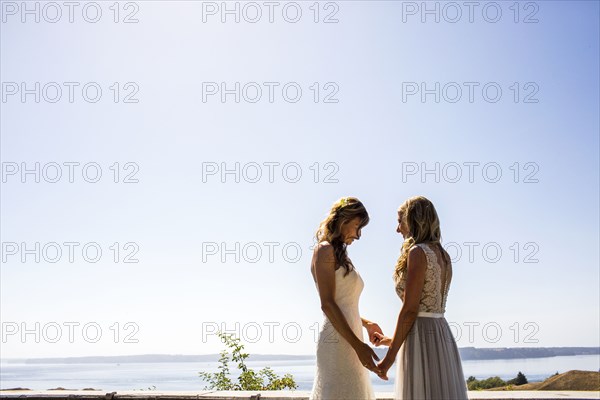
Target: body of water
[{"x": 184, "y": 375}]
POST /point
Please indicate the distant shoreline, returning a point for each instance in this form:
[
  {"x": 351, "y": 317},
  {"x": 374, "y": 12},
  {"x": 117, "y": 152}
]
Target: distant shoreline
[{"x": 466, "y": 353}]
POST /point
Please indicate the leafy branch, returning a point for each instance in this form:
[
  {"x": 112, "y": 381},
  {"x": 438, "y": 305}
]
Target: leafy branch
[{"x": 265, "y": 379}]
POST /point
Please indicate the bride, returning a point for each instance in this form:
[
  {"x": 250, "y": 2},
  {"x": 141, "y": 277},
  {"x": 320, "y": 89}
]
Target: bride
[{"x": 343, "y": 359}]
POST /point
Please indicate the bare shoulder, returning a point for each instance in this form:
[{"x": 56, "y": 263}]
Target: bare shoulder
[
  {"x": 415, "y": 249},
  {"x": 324, "y": 253},
  {"x": 323, "y": 248},
  {"x": 416, "y": 256}
]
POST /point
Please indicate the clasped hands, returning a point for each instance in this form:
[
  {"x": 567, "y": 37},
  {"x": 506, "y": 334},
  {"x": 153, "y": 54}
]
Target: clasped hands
[{"x": 367, "y": 356}]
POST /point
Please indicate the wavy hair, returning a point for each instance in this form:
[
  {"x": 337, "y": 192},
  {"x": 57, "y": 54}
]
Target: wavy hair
[
  {"x": 330, "y": 229},
  {"x": 423, "y": 227}
]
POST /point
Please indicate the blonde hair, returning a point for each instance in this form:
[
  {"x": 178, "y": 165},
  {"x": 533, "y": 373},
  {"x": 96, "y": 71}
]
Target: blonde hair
[
  {"x": 423, "y": 227},
  {"x": 330, "y": 229}
]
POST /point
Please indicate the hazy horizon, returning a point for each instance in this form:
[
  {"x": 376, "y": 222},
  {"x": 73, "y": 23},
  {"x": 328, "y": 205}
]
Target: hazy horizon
[{"x": 378, "y": 349}]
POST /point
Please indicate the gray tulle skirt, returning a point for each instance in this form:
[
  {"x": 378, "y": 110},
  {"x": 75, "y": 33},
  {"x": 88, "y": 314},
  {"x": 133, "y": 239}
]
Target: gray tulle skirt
[{"x": 429, "y": 365}]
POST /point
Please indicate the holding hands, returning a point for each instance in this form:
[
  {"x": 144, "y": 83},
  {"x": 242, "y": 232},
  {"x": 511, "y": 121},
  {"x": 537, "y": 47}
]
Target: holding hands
[
  {"x": 383, "y": 367},
  {"x": 377, "y": 338}
]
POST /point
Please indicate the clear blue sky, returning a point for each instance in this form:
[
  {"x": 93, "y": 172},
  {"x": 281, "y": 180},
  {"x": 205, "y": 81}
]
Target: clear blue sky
[{"x": 370, "y": 136}]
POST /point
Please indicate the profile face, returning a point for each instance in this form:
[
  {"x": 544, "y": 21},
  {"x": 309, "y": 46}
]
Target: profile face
[
  {"x": 402, "y": 228},
  {"x": 351, "y": 230}
]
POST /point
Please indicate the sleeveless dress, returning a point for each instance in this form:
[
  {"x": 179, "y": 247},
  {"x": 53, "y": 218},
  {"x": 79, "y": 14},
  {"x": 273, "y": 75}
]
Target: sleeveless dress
[
  {"x": 339, "y": 373},
  {"x": 428, "y": 363}
]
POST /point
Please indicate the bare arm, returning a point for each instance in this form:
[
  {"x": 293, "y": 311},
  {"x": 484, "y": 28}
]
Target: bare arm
[
  {"x": 415, "y": 280},
  {"x": 325, "y": 277}
]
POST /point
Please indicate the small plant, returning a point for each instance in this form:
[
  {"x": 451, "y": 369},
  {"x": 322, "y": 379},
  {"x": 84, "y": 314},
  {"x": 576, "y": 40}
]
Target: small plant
[{"x": 265, "y": 379}]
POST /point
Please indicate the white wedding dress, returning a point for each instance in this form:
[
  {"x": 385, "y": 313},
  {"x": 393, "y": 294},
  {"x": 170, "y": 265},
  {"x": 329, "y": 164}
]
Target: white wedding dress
[{"x": 339, "y": 373}]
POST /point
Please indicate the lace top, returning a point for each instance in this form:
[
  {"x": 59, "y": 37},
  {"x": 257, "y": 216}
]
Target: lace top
[{"x": 433, "y": 298}]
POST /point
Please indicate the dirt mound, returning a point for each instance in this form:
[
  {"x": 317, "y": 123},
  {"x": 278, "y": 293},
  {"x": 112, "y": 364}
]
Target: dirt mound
[{"x": 570, "y": 380}]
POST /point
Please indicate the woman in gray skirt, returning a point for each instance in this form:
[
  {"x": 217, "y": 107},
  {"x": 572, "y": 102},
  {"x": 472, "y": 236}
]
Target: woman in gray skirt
[{"x": 429, "y": 365}]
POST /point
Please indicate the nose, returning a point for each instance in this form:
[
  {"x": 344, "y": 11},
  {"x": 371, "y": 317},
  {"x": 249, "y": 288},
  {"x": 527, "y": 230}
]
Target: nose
[{"x": 398, "y": 228}]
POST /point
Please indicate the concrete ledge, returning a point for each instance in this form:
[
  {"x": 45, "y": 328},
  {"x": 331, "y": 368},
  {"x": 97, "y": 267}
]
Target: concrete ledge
[{"x": 270, "y": 395}]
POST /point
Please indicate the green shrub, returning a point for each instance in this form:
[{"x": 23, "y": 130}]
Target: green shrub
[
  {"x": 265, "y": 379},
  {"x": 494, "y": 382},
  {"x": 519, "y": 380}
]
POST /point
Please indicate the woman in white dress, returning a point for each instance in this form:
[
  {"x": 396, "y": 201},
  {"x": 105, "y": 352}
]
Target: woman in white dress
[
  {"x": 343, "y": 359},
  {"x": 429, "y": 365}
]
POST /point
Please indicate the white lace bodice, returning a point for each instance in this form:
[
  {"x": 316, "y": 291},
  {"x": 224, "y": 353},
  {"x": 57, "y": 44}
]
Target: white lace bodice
[{"x": 433, "y": 298}]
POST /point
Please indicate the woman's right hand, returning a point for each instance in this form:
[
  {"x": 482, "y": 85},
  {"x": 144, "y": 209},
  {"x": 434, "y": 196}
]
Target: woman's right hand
[
  {"x": 382, "y": 339},
  {"x": 366, "y": 355}
]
